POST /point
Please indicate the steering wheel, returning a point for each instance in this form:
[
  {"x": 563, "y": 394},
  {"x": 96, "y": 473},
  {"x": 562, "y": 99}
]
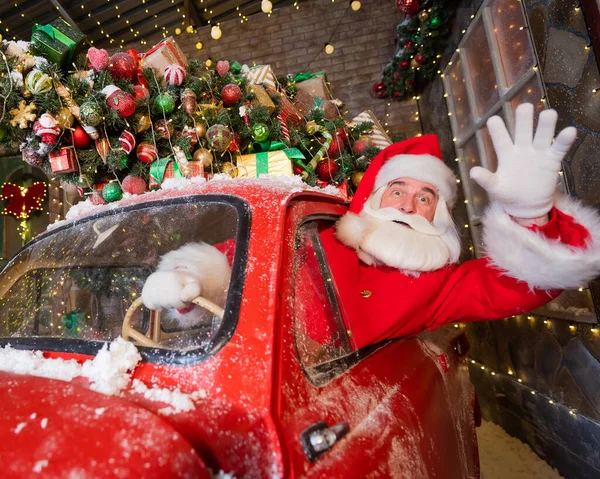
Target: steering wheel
[{"x": 129, "y": 332}]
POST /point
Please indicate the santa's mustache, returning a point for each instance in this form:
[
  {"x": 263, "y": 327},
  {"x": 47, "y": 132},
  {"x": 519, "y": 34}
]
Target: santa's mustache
[{"x": 414, "y": 221}]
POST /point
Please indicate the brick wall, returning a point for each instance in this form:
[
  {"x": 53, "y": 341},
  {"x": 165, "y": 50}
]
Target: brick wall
[{"x": 290, "y": 41}]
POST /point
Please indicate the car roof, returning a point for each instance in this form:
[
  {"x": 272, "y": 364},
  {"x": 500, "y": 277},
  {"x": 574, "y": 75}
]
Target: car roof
[{"x": 277, "y": 191}]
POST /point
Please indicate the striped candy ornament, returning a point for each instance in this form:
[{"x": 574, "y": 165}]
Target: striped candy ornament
[
  {"x": 174, "y": 74},
  {"x": 102, "y": 147},
  {"x": 312, "y": 128},
  {"x": 127, "y": 141},
  {"x": 146, "y": 152},
  {"x": 285, "y": 131}
]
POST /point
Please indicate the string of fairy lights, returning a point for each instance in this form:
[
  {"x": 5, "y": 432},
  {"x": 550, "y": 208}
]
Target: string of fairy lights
[{"x": 511, "y": 374}]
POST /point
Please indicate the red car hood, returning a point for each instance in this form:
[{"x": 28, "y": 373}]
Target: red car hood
[{"x": 51, "y": 428}]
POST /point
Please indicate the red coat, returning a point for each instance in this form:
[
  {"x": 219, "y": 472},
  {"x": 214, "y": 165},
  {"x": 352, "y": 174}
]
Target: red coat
[{"x": 382, "y": 302}]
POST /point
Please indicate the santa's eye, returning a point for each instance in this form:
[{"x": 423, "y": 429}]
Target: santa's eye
[
  {"x": 397, "y": 193},
  {"x": 424, "y": 200}
]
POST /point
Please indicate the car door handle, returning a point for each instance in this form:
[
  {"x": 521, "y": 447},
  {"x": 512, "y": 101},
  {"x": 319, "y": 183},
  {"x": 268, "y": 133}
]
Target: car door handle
[{"x": 318, "y": 438}]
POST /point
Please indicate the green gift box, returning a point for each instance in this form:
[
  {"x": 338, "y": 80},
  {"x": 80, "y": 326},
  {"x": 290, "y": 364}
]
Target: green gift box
[{"x": 58, "y": 41}]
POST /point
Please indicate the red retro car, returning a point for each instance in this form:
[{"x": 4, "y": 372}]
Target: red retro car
[{"x": 269, "y": 400}]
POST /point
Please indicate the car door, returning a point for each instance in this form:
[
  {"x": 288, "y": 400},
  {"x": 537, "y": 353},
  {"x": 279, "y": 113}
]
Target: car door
[{"x": 388, "y": 404}]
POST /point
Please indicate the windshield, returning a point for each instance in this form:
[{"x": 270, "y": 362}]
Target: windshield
[{"x": 79, "y": 281}]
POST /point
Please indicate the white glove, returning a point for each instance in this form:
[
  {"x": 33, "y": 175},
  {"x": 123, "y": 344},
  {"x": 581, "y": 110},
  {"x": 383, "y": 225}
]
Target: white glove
[
  {"x": 170, "y": 289},
  {"x": 526, "y": 178}
]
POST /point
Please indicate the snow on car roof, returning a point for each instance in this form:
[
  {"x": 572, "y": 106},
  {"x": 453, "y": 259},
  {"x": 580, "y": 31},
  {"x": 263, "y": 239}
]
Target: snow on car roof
[{"x": 278, "y": 187}]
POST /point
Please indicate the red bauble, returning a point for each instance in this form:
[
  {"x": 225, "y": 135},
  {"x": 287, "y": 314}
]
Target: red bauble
[
  {"x": 337, "y": 146},
  {"x": 360, "y": 146},
  {"x": 326, "y": 169},
  {"x": 118, "y": 100},
  {"x": 378, "y": 90},
  {"x": 419, "y": 58},
  {"x": 122, "y": 65},
  {"x": 404, "y": 65},
  {"x": 231, "y": 93},
  {"x": 81, "y": 139},
  {"x": 407, "y": 6},
  {"x": 127, "y": 141},
  {"x": 342, "y": 134},
  {"x": 134, "y": 185},
  {"x": 174, "y": 74},
  {"x": 146, "y": 152},
  {"x": 407, "y": 45},
  {"x": 140, "y": 92}
]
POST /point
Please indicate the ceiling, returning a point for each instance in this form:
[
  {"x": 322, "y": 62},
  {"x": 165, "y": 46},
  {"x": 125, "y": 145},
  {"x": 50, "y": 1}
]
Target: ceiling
[{"x": 110, "y": 23}]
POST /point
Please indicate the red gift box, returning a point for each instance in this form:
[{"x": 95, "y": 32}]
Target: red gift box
[{"x": 63, "y": 161}]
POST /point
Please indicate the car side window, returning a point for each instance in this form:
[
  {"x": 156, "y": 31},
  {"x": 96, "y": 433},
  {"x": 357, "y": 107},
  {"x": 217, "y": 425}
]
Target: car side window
[{"x": 320, "y": 332}]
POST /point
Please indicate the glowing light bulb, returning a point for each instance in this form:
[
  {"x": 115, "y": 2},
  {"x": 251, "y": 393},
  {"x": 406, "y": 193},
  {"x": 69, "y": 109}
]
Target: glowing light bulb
[
  {"x": 266, "y": 6},
  {"x": 329, "y": 48},
  {"x": 355, "y": 5},
  {"x": 215, "y": 32},
  {"x": 199, "y": 46}
]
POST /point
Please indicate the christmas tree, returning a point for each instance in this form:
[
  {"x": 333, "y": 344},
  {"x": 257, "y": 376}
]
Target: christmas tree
[
  {"x": 125, "y": 122},
  {"x": 421, "y": 37}
]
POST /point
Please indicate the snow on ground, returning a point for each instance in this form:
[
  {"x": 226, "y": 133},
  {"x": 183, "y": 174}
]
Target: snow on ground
[{"x": 503, "y": 456}]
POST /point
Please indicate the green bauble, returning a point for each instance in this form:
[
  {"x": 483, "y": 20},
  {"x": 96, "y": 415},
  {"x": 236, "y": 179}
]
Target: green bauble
[
  {"x": 164, "y": 103},
  {"x": 219, "y": 137},
  {"x": 90, "y": 113},
  {"x": 38, "y": 82},
  {"x": 122, "y": 163},
  {"x": 434, "y": 22},
  {"x": 112, "y": 192},
  {"x": 260, "y": 132}
]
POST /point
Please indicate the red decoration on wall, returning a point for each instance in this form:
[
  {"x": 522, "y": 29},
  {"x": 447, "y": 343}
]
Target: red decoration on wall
[
  {"x": 22, "y": 200},
  {"x": 407, "y": 6}
]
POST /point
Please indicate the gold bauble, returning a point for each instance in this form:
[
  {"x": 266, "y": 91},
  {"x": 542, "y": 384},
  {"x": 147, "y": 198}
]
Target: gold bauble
[
  {"x": 144, "y": 123},
  {"x": 200, "y": 130},
  {"x": 423, "y": 15},
  {"x": 204, "y": 156},
  {"x": 229, "y": 168},
  {"x": 357, "y": 177},
  {"x": 414, "y": 63},
  {"x": 65, "y": 118}
]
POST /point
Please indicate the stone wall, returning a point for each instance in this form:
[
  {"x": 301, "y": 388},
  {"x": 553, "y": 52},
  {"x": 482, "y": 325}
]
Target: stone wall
[{"x": 554, "y": 361}]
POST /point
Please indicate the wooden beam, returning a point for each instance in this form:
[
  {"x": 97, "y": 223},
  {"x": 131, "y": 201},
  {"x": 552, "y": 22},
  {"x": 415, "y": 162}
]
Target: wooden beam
[{"x": 64, "y": 13}]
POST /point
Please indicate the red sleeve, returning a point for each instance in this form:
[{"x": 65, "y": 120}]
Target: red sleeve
[
  {"x": 228, "y": 249},
  {"x": 563, "y": 227},
  {"x": 476, "y": 290}
]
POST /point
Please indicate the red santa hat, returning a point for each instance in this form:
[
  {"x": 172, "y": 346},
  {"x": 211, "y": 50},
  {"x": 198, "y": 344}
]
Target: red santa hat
[{"x": 419, "y": 158}]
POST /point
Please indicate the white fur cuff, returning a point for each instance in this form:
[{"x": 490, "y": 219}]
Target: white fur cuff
[{"x": 543, "y": 263}]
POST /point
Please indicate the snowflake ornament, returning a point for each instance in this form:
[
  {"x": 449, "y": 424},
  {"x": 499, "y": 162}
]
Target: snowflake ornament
[{"x": 22, "y": 115}]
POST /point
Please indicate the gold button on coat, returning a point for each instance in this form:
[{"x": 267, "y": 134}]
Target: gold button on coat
[{"x": 366, "y": 293}]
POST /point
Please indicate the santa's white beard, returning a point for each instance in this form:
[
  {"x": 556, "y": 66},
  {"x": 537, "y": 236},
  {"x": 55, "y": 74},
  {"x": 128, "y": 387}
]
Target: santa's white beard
[{"x": 416, "y": 248}]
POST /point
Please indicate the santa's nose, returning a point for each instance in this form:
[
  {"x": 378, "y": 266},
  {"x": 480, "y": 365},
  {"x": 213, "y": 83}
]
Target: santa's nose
[{"x": 407, "y": 205}]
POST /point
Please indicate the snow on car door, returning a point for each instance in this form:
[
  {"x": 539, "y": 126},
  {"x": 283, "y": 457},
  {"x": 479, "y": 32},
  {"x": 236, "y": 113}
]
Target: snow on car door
[{"x": 385, "y": 402}]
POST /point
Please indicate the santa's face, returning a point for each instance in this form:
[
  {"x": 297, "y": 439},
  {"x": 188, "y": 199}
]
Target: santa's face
[{"x": 411, "y": 197}]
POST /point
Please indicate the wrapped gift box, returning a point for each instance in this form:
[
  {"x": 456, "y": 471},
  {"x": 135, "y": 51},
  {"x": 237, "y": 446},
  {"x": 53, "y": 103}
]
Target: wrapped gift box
[
  {"x": 275, "y": 163},
  {"x": 288, "y": 110},
  {"x": 63, "y": 161},
  {"x": 313, "y": 93},
  {"x": 58, "y": 41},
  {"x": 169, "y": 168},
  {"x": 262, "y": 74},
  {"x": 262, "y": 98},
  {"x": 379, "y": 137},
  {"x": 163, "y": 54}
]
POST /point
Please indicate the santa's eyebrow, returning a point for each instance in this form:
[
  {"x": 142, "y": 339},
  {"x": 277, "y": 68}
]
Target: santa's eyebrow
[{"x": 426, "y": 189}]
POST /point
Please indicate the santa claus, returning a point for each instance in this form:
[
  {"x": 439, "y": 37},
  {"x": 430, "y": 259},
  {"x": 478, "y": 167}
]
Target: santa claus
[{"x": 394, "y": 255}]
